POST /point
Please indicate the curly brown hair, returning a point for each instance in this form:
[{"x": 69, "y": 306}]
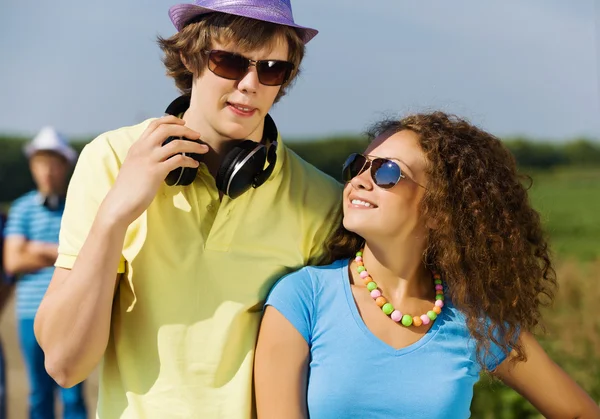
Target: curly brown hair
[
  {"x": 248, "y": 34},
  {"x": 488, "y": 242}
]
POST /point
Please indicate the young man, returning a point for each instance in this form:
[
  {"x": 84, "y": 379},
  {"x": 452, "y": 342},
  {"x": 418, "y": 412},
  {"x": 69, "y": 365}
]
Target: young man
[
  {"x": 164, "y": 280},
  {"x": 30, "y": 250}
]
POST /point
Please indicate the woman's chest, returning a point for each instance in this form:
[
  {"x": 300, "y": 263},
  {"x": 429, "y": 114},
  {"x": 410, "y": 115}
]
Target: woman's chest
[
  {"x": 354, "y": 373},
  {"x": 356, "y": 382}
]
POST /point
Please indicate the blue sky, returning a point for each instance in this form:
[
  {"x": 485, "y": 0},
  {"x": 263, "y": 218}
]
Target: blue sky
[{"x": 513, "y": 67}]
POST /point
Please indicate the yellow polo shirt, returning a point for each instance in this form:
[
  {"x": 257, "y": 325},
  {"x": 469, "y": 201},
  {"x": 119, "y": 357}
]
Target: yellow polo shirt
[{"x": 186, "y": 314}]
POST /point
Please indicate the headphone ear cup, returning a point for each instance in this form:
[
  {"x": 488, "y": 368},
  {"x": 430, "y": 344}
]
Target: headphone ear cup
[
  {"x": 266, "y": 173},
  {"x": 237, "y": 153},
  {"x": 240, "y": 167},
  {"x": 181, "y": 176},
  {"x": 188, "y": 176}
]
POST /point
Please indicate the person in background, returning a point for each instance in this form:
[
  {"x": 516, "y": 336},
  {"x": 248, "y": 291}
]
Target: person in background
[
  {"x": 439, "y": 270},
  {"x": 6, "y": 287},
  {"x": 30, "y": 250}
]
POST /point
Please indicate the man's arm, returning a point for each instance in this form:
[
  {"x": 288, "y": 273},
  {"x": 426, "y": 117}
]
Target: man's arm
[
  {"x": 72, "y": 324},
  {"x": 23, "y": 256}
]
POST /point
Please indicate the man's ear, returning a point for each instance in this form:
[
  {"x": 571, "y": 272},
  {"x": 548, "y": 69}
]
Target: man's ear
[{"x": 185, "y": 63}]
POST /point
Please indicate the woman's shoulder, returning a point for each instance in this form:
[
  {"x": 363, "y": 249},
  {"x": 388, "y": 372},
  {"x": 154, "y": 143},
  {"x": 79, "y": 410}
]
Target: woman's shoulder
[
  {"x": 311, "y": 280},
  {"x": 454, "y": 327},
  {"x": 453, "y": 322},
  {"x": 324, "y": 271}
]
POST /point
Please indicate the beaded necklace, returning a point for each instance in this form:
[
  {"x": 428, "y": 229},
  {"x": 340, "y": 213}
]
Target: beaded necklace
[{"x": 396, "y": 315}]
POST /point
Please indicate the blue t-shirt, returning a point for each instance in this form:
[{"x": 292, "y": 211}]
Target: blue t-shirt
[
  {"x": 29, "y": 218},
  {"x": 353, "y": 374}
]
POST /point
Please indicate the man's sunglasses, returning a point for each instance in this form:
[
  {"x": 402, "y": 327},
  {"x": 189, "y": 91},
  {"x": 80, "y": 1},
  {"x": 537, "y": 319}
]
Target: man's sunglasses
[
  {"x": 235, "y": 66},
  {"x": 385, "y": 173}
]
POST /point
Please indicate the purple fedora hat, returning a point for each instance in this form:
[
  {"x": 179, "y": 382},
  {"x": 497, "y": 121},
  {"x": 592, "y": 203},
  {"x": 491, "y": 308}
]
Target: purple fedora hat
[{"x": 274, "y": 11}]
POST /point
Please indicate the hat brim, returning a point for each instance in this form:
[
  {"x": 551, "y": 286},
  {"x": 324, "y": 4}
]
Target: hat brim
[
  {"x": 67, "y": 152},
  {"x": 181, "y": 14}
]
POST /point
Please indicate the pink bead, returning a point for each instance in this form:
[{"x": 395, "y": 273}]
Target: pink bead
[
  {"x": 425, "y": 318},
  {"x": 364, "y": 274},
  {"x": 396, "y": 316},
  {"x": 439, "y": 287},
  {"x": 376, "y": 293},
  {"x": 439, "y": 303},
  {"x": 358, "y": 259}
]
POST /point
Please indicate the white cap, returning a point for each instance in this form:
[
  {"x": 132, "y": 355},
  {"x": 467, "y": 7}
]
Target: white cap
[{"x": 50, "y": 140}]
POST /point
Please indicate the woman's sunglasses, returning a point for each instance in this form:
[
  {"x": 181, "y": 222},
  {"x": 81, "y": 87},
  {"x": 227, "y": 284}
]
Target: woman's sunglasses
[
  {"x": 235, "y": 66},
  {"x": 385, "y": 173}
]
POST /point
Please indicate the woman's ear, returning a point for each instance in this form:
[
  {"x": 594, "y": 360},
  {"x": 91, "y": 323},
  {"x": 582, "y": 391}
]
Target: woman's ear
[{"x": 431, "y": 224}]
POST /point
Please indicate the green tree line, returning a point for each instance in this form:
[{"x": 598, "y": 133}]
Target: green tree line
[{"x": 327, "y": 154}]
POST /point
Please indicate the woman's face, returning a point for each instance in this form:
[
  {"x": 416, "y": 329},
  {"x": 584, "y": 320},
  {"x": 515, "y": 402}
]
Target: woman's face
[{"x": 389, "y": 215}]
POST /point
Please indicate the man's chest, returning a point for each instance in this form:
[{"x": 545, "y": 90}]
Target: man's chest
[{"x": 43, "y": 226}]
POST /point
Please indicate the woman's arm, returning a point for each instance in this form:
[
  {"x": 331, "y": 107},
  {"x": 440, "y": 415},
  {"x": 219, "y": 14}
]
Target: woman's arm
[
  {"x": 546, "y": 385},
  {"x": 280, "y": 369}
]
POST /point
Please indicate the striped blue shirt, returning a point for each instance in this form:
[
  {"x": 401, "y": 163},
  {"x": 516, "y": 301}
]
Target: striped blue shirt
[{"x": 29, "y": 218}]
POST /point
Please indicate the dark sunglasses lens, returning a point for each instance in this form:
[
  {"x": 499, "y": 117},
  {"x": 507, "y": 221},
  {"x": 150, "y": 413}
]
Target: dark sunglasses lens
[
  {"x": 386, "y": 173},
  {"x": 273, "y": 73},
  {"x": 353, "y": 166},
  {"x": 227, "y": 65}
]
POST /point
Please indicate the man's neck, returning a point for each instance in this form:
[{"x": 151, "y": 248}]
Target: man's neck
[
  {"x": 219, "y": 145},
  {"x": 61, "y": 192},
  {"x": 52, "y": 199}
]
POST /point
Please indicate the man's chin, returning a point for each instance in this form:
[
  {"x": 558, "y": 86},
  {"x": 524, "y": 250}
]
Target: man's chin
[{"x": 241, "y": 131}]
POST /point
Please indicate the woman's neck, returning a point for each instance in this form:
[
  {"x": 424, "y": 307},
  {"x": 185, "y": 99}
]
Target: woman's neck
[{"x": 398, "y": 270}]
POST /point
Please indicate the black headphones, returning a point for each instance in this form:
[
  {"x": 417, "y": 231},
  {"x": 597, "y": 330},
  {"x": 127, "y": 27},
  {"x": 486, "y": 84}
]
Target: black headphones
[{"x": 241, "y": 168}]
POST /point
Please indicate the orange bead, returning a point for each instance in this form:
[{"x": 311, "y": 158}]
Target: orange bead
[
  {"x": 417, "y": 321},
  {"x": 437, "y": 310},
  {"x": 360, "y": 264},
  {"x": 367, "y": 280},
  {"x": 436, "y": 276},
  {"x": 380, "y": 301}
]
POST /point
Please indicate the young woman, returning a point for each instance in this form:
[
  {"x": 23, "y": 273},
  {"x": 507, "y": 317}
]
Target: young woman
[{"x": 439, "y": 272}]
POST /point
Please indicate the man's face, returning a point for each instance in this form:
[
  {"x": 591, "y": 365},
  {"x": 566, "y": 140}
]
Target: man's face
[
  {"x": 235, "y": 109},
  {"x": 49, "y": 171}
]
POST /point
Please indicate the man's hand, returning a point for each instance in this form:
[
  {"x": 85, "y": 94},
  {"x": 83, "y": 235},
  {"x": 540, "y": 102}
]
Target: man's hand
[
  {"x": 46, "y": 251},
  {"x": 22, "y": 256},
  {"x": 147, "y": 165}
]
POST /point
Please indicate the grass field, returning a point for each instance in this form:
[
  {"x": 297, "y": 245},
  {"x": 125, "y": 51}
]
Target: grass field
[{"x": 569, "y": 203}]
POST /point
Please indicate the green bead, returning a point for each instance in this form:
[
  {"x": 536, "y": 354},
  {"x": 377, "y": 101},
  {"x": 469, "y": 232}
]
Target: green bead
[
  {"x": 371, "y": 285},
  {"x": 387, "y": 308},
  {"x": 360, "y": 269},
  {"x": 407, "y": 320},
  {"x": 438, "y": 282},
  {"x": 431, "y": 314},
  {"x": 439, "y": 297},
  {"x": 358, "y": 253}
]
